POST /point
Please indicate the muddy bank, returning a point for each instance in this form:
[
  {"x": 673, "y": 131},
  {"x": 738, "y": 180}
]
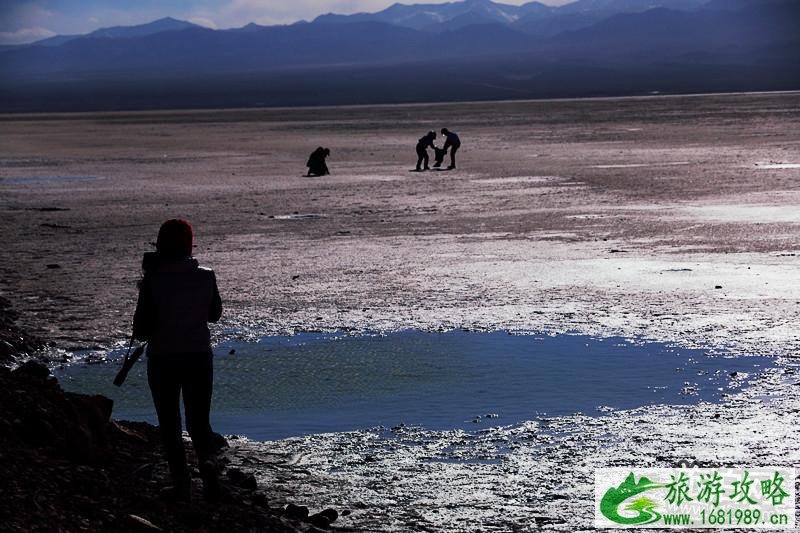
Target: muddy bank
[
  {"x": 67, "y": 466},
  {"x": 15, "y": 343}
]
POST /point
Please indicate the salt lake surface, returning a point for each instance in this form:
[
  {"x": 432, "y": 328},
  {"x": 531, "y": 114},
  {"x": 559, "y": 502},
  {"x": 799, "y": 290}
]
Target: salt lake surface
[{"x": 316, "y": 383}]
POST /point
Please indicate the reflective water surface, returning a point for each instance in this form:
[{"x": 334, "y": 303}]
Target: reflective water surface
[{"x": 315, "y": 383}]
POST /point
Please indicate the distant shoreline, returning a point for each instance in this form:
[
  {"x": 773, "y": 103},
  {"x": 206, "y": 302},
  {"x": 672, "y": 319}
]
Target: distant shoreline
[{"x": 14, "y": 115}]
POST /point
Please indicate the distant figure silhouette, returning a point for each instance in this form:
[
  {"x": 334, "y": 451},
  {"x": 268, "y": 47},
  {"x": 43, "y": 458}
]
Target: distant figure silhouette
[
  {"x": 316, "y": 162},
  {"x": 422, "y": 150},
  {"x": 454, "y": 143},
  {"x": 177, "y": 299}
]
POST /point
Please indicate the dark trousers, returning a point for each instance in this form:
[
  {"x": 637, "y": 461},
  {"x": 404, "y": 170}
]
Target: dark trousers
[
  {"x": 320, "y": 169},
  {"x": 422, "y": 158},
  {"x": 168, "y": 376},
  {"x": 453, "y": 149}
]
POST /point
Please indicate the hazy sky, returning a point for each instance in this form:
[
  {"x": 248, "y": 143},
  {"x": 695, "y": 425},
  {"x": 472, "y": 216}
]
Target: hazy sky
[{"x": 29, "y": 20}]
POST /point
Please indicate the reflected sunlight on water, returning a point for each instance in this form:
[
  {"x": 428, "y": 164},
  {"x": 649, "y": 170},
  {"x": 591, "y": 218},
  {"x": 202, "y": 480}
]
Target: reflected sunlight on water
[{"x": 315, "y": 383}]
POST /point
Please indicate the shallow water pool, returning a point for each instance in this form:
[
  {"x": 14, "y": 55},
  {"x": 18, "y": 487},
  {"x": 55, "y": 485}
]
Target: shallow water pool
[{"x": 315, "y": 383}]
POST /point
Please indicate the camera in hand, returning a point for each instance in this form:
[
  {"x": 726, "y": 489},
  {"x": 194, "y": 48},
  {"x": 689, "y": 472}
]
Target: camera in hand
[{"x": 127, "y": 364}]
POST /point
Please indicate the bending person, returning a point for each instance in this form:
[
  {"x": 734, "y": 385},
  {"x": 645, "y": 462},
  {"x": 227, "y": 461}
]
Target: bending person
[
  {"x": 177, "y": 300},
  {"x": 422, "y": 150},
  {"x": 454, "y": 143}
]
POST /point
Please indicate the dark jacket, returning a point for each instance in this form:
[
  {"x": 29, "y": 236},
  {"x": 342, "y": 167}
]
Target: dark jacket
[
  {"x": 451, "y": 139},
  {"x": 316, "y": 162},
  {"x": 177, "y": 300},
  {"x": 425, "y": 142}
]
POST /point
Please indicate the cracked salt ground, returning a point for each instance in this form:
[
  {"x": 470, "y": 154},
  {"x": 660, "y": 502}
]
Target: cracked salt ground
[{"x": 530, "y": 476}]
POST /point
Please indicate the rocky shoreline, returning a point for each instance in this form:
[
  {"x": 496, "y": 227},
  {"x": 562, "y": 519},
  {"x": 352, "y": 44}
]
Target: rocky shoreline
[{"x": 68, "y": 466}]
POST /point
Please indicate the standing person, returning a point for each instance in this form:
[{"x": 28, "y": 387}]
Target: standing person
[
  {"x": 316, "y": 162},
  {"x": 422, "y": 150},
  {"x": 454, "y": 143},
  {"x": 177, "y": 300}
]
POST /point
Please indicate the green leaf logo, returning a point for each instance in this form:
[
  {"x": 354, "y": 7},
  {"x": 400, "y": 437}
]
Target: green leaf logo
[{"x": 614, "y": 498}]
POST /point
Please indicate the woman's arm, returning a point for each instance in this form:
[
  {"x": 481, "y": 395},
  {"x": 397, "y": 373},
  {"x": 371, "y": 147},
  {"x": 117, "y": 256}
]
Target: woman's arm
[
  {"x": 144, "y": 315},
  {"x": 215, "y": 311}
]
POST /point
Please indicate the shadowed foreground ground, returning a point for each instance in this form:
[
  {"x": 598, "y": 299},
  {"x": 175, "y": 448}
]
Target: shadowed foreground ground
[{"x": 66, "y": 466}]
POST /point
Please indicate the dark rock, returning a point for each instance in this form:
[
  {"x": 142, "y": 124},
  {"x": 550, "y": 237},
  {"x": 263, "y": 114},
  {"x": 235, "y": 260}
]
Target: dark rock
[
  {"x": 33, "y": 369},
  {"x": 296, "y": 512},
  {"x": 329, "y": 514},
  {"x": 242, "y": 479},
  {"x": 259, "y": 498},
  {"x": 717, "y": 286},
  {"x": 85, "y": 432},
  {"x": 7, "y": 351},
  {"x": 319, "y": 520},
  {"x": 144, "y": 471},
  {"x": 38, "y": 430}
]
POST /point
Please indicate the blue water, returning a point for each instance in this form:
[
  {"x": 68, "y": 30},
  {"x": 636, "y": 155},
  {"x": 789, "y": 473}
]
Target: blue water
[{"x": 314, "y": 383}]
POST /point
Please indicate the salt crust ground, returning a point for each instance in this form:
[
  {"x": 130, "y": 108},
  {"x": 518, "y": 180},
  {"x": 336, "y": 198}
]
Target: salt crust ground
[{"x": 608, "y": 217}]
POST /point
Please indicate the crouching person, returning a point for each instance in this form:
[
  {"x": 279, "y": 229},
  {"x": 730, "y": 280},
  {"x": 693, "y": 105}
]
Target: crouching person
[
  {"x": 316, "y": 162},
  {"x": 177, "y": 300}
]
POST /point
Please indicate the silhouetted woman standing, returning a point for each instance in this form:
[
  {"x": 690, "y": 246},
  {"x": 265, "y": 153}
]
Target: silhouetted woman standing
[{"x": 177, "y": 300}]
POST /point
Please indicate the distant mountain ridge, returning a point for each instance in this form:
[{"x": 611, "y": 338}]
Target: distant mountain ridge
[
  {"x": 587, "y": 47},
  {"x": 429, "y": 17},
  {"x": 115, "y": 32},
  {"x": 451, "y": 15}
]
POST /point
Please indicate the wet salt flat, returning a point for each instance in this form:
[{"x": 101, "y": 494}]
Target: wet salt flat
[
  {"x": 777, "y": 166},
  {"x": 44, "y": 180},
  {"x": 745, "y": 213},
  {"x": 518, "y": 179},
  {"x": 643, "y": 165},
  {"x": 317, "y": 383}
]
